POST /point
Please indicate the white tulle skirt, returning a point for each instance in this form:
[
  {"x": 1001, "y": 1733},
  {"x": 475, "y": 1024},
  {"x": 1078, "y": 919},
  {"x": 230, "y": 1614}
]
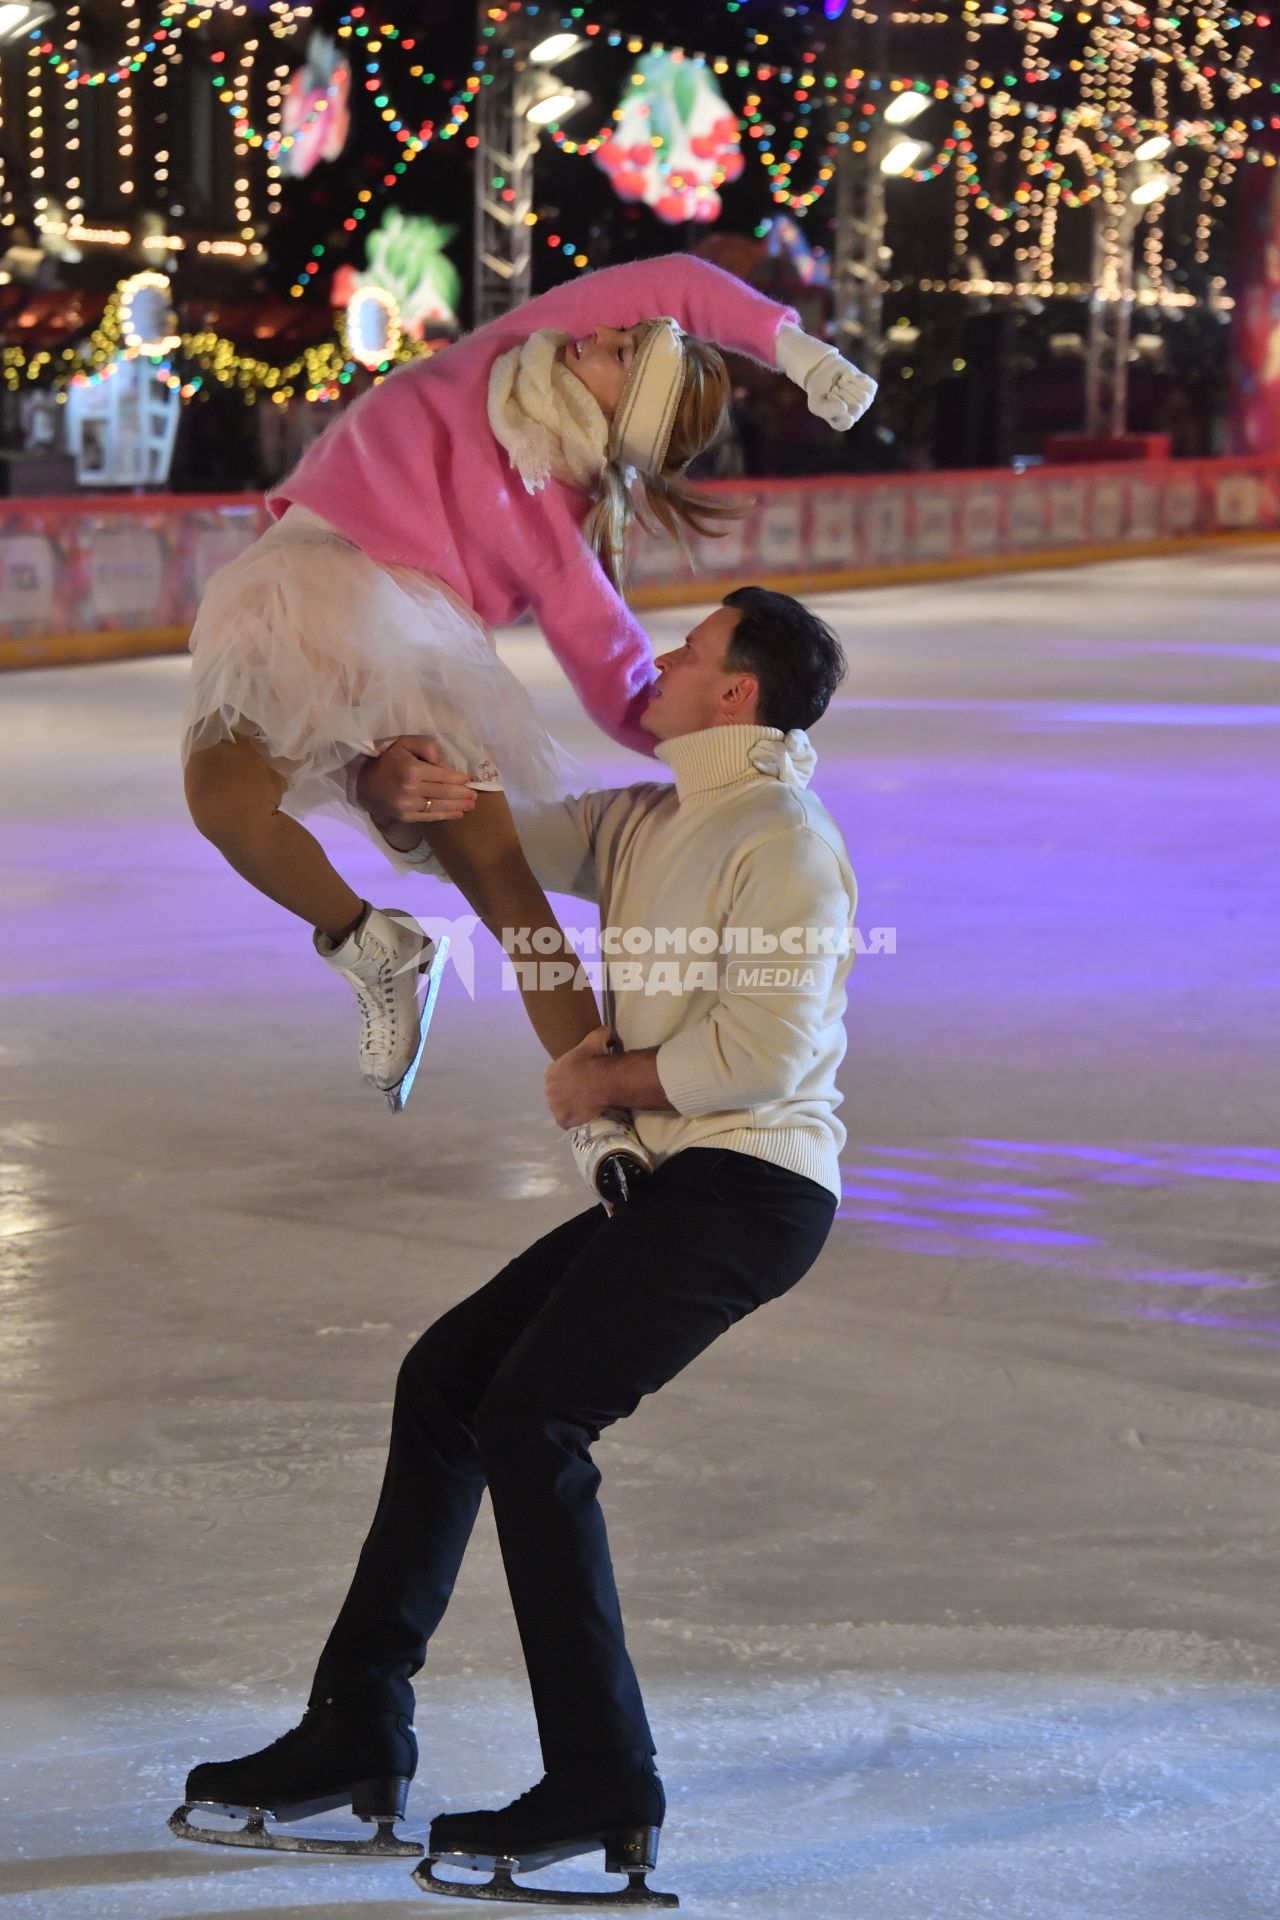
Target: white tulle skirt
[{"x": 318, "y": 655}]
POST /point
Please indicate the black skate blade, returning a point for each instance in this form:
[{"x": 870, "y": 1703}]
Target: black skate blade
[
  {"x": 636, "y": 1893},
  {"x": 398, "y": 1096},
  {"x": 385, "y": 1844}
]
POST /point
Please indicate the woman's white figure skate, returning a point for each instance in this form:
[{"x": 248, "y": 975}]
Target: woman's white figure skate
[
  {"x": 611, "y": 1158},
  {"x": 395, "y": 969}
]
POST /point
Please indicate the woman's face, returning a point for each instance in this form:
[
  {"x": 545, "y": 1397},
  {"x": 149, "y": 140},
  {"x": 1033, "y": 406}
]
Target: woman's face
[{"x": 602, "y": 360}]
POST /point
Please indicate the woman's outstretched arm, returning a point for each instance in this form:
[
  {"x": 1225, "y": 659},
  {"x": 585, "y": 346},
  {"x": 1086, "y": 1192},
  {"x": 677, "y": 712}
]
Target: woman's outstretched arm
[{"x": 715, "y": 305}]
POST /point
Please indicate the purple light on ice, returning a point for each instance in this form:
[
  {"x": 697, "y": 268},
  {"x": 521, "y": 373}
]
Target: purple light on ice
[
  {"x": 995, "y": 1209},
  {"x": 1068, "y": 1150},
  {"x": 1037, "y": 1237},
  {"x": 1189, "y": 1278},
  {"x": 1227, "y": 1323},
  {"x": 889, "y": 1218}
]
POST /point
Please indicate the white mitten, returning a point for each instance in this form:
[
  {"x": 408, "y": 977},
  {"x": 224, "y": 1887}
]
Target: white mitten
[{"x": 838, "y": 393}]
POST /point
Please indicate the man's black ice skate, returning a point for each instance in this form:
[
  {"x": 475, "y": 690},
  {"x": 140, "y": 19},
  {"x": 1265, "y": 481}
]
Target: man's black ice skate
[
  {"x": 332, "y": 1759},
  {"x": 596, "y": 1802}
]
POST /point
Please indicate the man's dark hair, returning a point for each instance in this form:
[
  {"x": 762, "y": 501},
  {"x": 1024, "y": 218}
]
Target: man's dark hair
[{"x": 794, "y": 655}]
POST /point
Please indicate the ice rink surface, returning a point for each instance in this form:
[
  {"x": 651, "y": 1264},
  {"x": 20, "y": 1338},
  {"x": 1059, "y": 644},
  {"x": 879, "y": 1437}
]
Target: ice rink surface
[{"x": 952, "y": 1577}]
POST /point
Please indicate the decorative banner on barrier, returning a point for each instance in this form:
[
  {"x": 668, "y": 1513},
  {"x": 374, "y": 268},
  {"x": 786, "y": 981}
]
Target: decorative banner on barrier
[
  {"x": 939, "y": 520},
  {"x": 74, "y": 569},
  {"x": 106, "y": 566}
]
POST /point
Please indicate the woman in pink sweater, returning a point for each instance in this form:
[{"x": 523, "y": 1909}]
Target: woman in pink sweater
[{"x": 465, "y": 489}]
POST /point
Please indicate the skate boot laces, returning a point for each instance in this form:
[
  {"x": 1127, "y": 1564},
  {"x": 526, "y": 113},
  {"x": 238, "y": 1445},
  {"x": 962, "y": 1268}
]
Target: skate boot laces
[{"x": 394, "y": 953}]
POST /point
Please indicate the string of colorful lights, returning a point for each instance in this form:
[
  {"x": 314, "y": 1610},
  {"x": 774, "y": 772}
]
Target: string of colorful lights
[
  {"x": 1016, "y": 160},
  {"x": 811, "y": 89},
  {"x": 178, "y": 16},
  {"x": 318, "y": 372},
  {"x": 355, "y": 26},
  {"x": 830, "y": 92}
]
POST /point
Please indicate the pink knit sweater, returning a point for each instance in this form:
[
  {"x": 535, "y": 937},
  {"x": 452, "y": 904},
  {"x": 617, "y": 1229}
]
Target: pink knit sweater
[{"x": 413, "y": 475}]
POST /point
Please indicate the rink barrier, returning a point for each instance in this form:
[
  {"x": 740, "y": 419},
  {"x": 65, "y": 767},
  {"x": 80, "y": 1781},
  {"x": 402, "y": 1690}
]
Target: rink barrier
[{"x": 106, "y": 576}]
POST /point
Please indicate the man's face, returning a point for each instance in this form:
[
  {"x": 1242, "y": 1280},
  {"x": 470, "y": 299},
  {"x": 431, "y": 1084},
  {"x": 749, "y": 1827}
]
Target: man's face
[
  {"x": 695, "y": 688},
  {"x": 602, "y": 360}
]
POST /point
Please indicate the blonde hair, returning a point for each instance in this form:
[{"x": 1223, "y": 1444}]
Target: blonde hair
[{"x": 665, "y": 503}]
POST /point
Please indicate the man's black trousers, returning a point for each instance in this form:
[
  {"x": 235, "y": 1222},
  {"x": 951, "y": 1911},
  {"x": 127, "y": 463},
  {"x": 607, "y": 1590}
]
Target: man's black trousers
[{"x": 509, "y": 1390}]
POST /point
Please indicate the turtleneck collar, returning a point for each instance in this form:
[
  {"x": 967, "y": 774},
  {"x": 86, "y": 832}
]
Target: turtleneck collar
[{"x": 715, "y": 758}]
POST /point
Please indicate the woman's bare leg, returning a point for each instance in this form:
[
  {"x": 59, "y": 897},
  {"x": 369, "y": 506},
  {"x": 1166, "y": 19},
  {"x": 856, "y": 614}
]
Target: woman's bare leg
[
  {"x": 482, "y": 855},
  {"x": 234, "y": 797}
]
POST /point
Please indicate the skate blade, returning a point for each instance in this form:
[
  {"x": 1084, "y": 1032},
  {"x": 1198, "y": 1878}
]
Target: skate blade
[
  {"x": 385, "y": 1844},
  {"x": 398, "y": 1096},
  {"x": 636, "y": 1893},
  {"x": 619, "y": 1179}
]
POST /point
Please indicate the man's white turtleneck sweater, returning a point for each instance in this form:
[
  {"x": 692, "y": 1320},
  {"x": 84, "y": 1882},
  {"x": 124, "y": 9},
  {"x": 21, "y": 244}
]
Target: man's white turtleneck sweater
[{"x": 748, "y": 1047}]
